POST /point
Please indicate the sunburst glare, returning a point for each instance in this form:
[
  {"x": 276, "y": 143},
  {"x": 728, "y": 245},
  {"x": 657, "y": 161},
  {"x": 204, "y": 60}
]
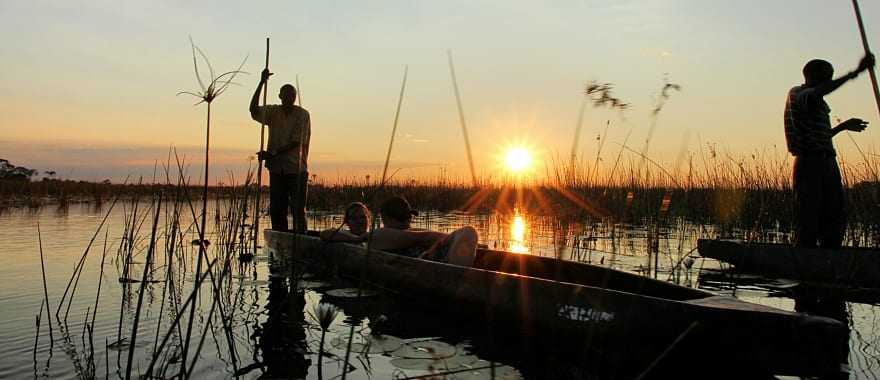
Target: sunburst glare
[{"x": 517, "y": 160}]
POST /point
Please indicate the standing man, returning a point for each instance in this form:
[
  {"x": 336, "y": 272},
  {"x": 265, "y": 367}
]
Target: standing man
[
  {"x": 286, "y": 154},
  {"x": 820, "y": 206}
]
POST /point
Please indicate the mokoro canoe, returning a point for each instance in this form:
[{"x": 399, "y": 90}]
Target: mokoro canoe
[
  {"x": 592, "y": 307},
  {"x": 855, "y": 267}
]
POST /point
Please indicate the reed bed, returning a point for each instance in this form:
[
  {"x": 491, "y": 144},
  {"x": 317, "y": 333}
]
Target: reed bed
[{"x": 749, "y": 193}]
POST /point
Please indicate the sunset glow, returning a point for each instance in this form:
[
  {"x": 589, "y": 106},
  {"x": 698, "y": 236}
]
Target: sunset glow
[{"x": 517, "y": 160}]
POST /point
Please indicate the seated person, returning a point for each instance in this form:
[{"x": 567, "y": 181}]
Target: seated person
[
  {"x": 357, "y": 218},
  {"x": 397, "y": 236}
]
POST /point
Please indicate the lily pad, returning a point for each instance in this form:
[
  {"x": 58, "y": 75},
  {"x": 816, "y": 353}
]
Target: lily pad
[
  {"x": 306, "y": 284},
  {"x": 370, "y": 344},
  {"x": 350, "y": 293},
  {"x": 431, "y": 349},
  {"x": 250, "y": 282},
  {"x": 481, "y": 372},
  {"x": 461, "y": 360},
  {"x": 424, "y": 364}
]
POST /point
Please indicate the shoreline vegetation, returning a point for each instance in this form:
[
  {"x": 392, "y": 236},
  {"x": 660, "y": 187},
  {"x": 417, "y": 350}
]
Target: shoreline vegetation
[{"x": 734, "y": 195}]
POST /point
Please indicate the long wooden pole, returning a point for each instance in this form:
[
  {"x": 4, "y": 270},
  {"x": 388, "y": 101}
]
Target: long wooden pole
[
  {"x": 867, "y": 51},
  {"x": 260, "y": 160},
  {"x": 467, "y": 141}
]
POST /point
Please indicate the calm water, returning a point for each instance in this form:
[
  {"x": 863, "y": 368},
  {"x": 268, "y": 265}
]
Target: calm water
[{"x": 275, "y": 334}]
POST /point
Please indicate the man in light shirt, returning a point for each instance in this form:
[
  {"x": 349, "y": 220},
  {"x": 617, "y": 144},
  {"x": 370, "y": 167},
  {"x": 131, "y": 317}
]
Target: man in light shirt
[{"x": 286, "y": 154}]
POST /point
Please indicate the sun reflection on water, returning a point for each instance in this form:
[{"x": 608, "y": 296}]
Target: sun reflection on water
[{"x": 518, "y": 231}]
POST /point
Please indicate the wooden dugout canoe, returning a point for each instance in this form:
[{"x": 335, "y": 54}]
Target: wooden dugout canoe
[
  {"x": 592, "y": 308},
  {"x": 853, "y": 267}
]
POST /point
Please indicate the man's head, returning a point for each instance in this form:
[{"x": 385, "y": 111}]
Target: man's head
[
  {"x": 396, "y": 213},
  {"x": 287, "y": 94},
  {"x": 818, "y": 71}
]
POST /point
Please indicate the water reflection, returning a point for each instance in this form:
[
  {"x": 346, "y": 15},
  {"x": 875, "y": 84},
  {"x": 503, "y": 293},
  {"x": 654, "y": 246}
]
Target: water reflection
[
  {"x": 518, "y": 231},
  {"x": 282, "y": 338},
  {"x": 815, "y": 301},
  {"x": 286, "y": 344}
]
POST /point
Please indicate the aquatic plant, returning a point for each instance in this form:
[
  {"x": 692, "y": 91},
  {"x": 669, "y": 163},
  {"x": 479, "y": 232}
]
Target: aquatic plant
[
  {"x": 324, "y": 314},
  {"x": 216, "y": 86}
]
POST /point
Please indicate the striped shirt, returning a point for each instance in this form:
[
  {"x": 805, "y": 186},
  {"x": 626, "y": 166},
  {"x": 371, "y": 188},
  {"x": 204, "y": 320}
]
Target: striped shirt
[{"x": 807, "y": 123}]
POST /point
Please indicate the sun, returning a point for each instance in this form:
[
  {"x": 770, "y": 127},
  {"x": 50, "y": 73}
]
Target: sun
[{"x": 517, "y": 159}]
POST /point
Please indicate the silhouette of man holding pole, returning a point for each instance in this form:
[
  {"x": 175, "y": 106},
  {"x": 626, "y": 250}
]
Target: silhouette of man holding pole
[
  {"x": 286, "y": 154},
  {"x": 820, "y": 206}
]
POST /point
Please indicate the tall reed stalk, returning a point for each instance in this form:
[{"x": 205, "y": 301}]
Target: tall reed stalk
[
  {"x": 45, "y": 287},
  {"x": 217, "y": 85}
]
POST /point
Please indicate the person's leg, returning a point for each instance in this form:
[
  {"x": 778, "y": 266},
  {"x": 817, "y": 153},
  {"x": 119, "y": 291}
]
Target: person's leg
[
  {"x": 278, "y": 201},
  {"x": 807, "y": 184},
  {"x": 833, "y": 227},
  {"x": 298, "y": 204},
  {"x": 463, "y": 246}
]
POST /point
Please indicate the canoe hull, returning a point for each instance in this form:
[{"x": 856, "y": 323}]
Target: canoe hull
[
  {"x": 637, "y": 327},
  {"x": 856, "y": 267}
]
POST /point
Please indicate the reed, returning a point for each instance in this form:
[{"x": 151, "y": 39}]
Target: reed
[
  {"x": 217, "y": 86},
  {"x": 144, "y": 279},
  {"x": 45, "y": 287}
]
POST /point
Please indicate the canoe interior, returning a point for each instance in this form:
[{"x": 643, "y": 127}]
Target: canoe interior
[
  {"x": 583, "y": 274},
  {"x": 580, "y": 273}
]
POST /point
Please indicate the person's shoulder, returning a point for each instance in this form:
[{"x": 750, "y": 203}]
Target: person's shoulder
[
  {"x": 270, "y": 108},
  {"x": 797, "y": 89},
  {"x": 803, "y": 92}
]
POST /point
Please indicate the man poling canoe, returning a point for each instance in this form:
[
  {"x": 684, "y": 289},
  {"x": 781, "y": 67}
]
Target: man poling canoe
[
  {"x": 286, "y": 154},
  {"x": 820, "y": 206}
]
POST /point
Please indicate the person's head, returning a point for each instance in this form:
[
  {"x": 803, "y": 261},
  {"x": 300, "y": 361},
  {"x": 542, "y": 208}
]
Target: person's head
[
  {"x": 357, "y": 217},
  {"x": 397, "y": 213},
  {"x": 818, "y": 71},
  {"x": 287, "y": 94}
]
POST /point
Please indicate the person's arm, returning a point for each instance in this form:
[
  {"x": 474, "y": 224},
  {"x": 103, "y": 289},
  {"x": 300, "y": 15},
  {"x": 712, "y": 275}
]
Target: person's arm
[
  {"x": 307, "y": 138},
  {"x": 854, "y": 124},
  {"x": 340, "y": 235},
  {"x": 255, "y": 100},
  {"x": 429, "y": 253},
  {"x": 829, "y": 87},
  {"x": 394, "y": 239}
]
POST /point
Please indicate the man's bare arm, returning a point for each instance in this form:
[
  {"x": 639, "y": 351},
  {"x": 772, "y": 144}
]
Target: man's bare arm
[
  {"x": 829, "y": 87},
  {"x": 393, "y": 239},
  {"x": 255, "y": 100},
  {"x": 306, "y": 140},
  {"x": 340, "y": 236},
  {"x": 854, "y": 124}
]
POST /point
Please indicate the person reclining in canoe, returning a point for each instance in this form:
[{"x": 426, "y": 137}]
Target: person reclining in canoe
[
  {"x": 357, "y": 218},
  {"x": 398, "y": 236}
]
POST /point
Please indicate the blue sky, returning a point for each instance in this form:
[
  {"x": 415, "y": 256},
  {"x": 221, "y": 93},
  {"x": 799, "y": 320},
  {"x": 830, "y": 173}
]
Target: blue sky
[{"x": 104, "y": 75}]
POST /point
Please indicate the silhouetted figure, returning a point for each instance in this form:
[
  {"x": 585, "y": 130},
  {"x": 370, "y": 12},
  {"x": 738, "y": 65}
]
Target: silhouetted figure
[
  {"x": 286, "y": 154},
  {"x": 357, "y": 217},
  {"x": 398, "y": 236},
  {"x": 820, "y": 206}
]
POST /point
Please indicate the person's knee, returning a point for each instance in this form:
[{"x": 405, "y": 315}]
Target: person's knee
[{"x": 467, "y": 233}]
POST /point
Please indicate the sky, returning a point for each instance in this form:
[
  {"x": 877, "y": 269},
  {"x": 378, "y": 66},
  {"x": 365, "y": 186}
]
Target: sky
[{"x": 89, "y": 89}]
